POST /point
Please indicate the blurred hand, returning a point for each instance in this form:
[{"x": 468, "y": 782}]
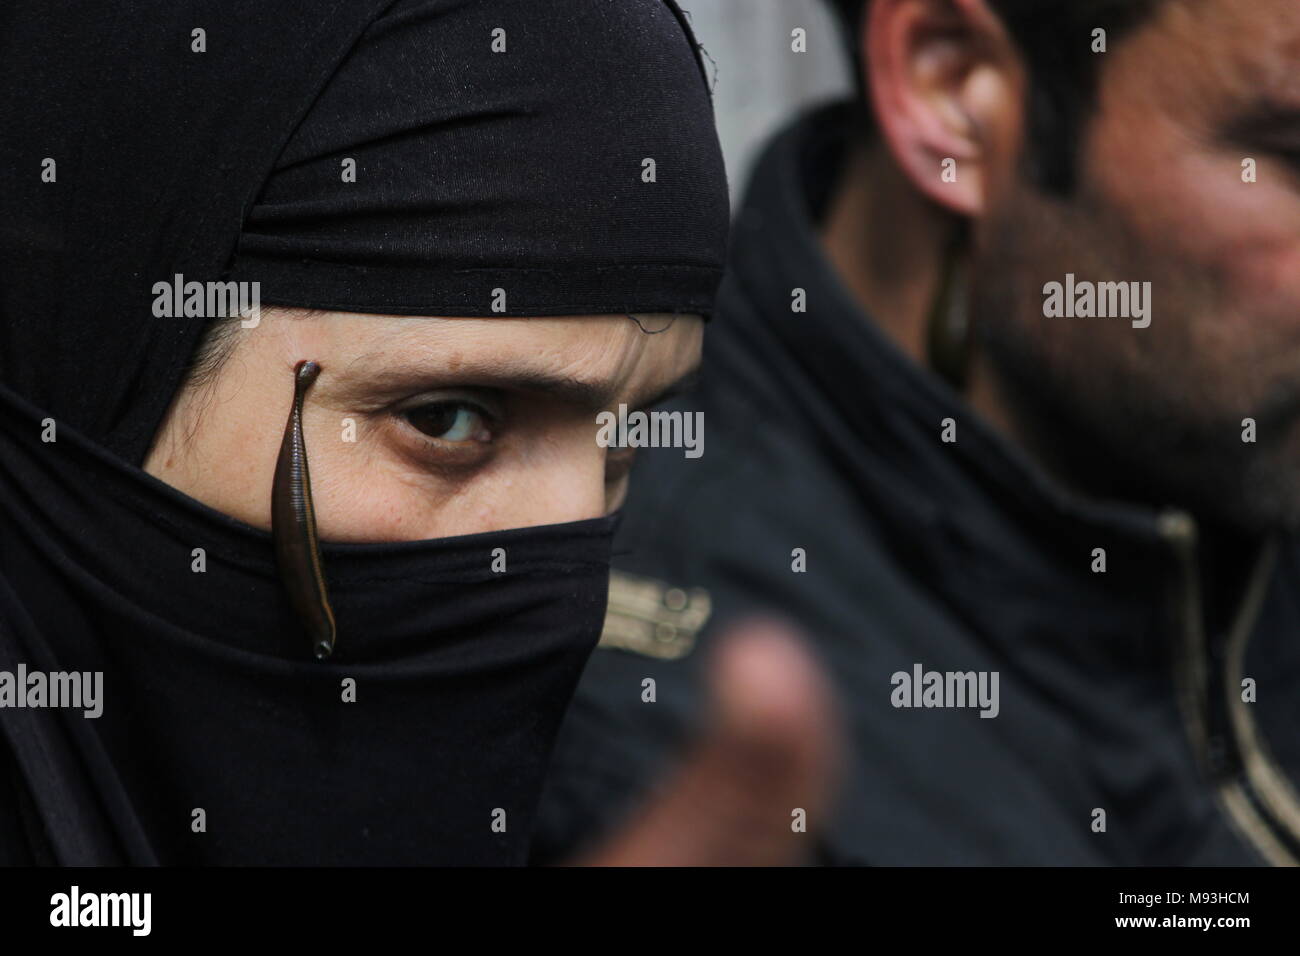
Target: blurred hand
[{"x": 769, "y": 747}]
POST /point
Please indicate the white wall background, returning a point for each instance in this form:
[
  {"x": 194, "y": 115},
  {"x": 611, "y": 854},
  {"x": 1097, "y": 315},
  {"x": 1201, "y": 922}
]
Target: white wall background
[{"x": 760, "y": 81}]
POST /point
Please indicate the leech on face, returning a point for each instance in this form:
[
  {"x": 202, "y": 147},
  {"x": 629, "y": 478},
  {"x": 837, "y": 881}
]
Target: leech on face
[{"x": 293, "y": 524}]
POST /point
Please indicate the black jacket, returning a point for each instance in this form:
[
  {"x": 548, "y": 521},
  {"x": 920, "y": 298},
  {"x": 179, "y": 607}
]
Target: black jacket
[{"x": 1119, "y": 691}]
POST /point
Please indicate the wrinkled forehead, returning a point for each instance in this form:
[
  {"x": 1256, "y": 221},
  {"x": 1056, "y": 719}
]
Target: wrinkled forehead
[{"x": 589, "y": 361}]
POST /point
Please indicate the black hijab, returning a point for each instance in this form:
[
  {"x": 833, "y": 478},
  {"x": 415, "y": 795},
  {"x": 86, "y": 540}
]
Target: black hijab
[{"x": 497, "y": 146}]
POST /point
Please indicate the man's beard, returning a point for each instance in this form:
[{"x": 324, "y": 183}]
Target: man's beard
[
  {"x": 1115, "y": 446},
  {"x": 1128, "y": 429}
]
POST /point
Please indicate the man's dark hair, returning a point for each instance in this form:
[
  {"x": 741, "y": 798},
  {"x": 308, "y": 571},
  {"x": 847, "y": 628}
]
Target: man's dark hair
[{"x": 1055, "y": 38}]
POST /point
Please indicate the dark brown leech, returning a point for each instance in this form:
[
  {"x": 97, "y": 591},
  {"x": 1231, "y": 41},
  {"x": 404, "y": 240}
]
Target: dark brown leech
[{"x": 293, "y": 524}]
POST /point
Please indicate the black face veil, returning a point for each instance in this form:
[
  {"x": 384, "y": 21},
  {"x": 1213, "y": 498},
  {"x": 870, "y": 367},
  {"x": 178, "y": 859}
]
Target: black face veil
[{"x": 422, "y": 157}]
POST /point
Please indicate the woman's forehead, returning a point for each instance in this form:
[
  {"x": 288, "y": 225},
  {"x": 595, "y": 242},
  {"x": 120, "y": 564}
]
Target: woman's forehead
[{"x": 589, "y": 360}]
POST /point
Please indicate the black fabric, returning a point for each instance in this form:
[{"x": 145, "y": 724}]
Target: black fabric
[
  {"x": 211, "y": 699},
  {"x": 476, "y": 171},
  {"x": 476, "y": 149},
  {"x": 962, "y": 557}
]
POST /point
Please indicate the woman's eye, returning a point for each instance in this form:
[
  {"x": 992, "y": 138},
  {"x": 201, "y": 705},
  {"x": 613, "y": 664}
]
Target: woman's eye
[{"x": 451, "y": 421}]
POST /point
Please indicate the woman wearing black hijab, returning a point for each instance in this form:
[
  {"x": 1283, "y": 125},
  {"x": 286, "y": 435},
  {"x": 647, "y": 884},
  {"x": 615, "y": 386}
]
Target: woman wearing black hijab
[{"x": 455, "y": 208}]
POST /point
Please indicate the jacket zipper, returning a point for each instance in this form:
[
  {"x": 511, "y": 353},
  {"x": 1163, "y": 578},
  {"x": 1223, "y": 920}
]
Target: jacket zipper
[{"x": 1258, "y": 800}]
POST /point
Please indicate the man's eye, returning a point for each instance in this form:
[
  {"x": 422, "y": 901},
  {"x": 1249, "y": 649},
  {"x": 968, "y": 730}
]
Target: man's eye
[{"x": 451, "y": 421}]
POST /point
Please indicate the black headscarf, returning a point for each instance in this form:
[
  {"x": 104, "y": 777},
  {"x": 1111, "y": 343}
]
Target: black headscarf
[
  {"x": 424, "y": 738},
  {"x": 475, "y": 170}
]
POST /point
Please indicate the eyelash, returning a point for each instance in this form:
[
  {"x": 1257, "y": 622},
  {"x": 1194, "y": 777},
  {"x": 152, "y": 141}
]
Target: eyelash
[
  {"x": 471, "y": 453},
  {"x": 450, "y": 404},
  {"x": 436, "y": 452}
]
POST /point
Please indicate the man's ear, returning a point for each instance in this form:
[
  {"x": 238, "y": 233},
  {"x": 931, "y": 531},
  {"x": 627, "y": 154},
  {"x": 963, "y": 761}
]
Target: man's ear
[{"x": 947, "y": 87}]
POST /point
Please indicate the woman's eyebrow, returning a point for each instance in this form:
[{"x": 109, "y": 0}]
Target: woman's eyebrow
[
  {"x": 594, "y": 394},
  {"x": 368, "y": 377}
]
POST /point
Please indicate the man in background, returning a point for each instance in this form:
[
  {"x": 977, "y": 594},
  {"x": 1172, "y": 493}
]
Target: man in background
[{"x": 1003, "y": 407}]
